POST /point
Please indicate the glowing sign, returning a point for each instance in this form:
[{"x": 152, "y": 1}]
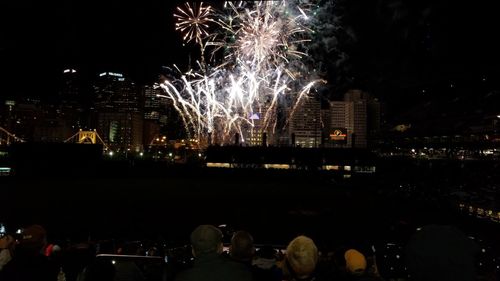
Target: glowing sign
[
  {"x": 338, "y": 135},
  {"x": 331, "y": 167},
  {"x": 115, "y": 74},
  {"x": 111, "y": 74}
]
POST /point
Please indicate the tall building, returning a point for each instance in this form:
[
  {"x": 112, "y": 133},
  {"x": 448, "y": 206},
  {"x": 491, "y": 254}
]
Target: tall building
[
  {"x": 25, "y": 117},
  {"x": 114, "y": 93},
  {"x": 121, "y": 131},
  {"x": 151, "y": 102},
  {"x": 353, "y": 120},
  {"x": 374, "y": 111},
  {"x": 71, "y": 108},
  {"x": 51, "y": 129},
  {"x": 340, "y": 122},
  {"x": 70, "y": 90},
  {"x": 118, "y": 109},
  {"x": 257, "y": 134},
  {"x": 154, "y": 112},
  {"x": 305, "y": 124},
  {"x": 151, "y": 131},
  {"x": 7, "y": 114}
]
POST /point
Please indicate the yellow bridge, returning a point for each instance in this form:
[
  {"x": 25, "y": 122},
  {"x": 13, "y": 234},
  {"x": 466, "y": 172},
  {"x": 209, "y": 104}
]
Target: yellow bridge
[
  {"x": 87, "y": 137},
  {"x": 6, "y": 138}
]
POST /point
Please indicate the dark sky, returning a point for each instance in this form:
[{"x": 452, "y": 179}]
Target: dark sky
[
  {"x": 38, "y": 39},
  {"x": 423, "y": 42},
  {"x": 412, "y": 53},
  {"x": 395, "y": 47}
]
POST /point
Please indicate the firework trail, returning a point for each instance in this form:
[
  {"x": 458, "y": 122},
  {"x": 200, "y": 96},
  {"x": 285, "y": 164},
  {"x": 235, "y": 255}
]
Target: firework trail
[
  {"x": 256, "y": 69},
  {"x": 193, "y": 21}
]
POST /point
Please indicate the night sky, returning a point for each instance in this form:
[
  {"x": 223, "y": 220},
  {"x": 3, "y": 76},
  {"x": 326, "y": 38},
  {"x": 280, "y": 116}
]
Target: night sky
[{"x": 398, "y": 49}]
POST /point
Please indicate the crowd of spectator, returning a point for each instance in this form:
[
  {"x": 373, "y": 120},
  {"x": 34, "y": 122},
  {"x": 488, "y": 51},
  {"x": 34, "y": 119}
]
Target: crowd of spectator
[{"x": 433, "y": 252}]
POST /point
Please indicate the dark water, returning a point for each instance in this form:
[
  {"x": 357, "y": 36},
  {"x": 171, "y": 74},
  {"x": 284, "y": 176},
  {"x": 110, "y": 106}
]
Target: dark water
[{"x": 167, "y": 203}]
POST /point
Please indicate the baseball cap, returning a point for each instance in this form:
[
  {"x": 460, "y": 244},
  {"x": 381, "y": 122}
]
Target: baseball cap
[
  {"x": 33, "y": 236},
  {"x": 355, "y": 261}
]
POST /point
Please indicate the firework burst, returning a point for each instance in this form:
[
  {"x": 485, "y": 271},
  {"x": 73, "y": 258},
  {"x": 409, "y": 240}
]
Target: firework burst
[
  {"x": 261, "y": 74},
  {"x": 193, "y": 21}
]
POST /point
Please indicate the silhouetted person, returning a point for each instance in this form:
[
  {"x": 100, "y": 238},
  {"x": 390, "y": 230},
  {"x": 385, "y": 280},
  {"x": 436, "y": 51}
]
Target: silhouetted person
[
  {"x": 127, "y": 270},
  {"x": 75, "y": 259},
  {"x": 7, "y": 244},
  {"x": 100, "y": 269},
  {"x": 29, "y": 263},
  {"x": 209, "y": 265},
  {"x": 265, "y": 266},
  {"x": 355, "y": 262},
  {"x": 242, "y": 249},
  {"x": 301, "y": 259},
  {"x": 356, "y": 267}
]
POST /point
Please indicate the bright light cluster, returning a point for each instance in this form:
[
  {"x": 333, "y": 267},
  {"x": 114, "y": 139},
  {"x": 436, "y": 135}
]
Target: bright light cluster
[{"x": 255, "y": 77}]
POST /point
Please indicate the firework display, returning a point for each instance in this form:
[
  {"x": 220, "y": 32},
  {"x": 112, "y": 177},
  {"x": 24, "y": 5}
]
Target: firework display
[
  {"x": 193, "y": 20},
  {"x": 255, "y": 75}
]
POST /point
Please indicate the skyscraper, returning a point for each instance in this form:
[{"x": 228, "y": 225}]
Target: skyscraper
[
  {"x": 154, "y": 109},
  {"x": 25, "y": 117},
  {"x": 114, "y": 93},
  {"x": 357, "y": 116},
  {"x": 121, "y": 131},
  {"x": 70, "y": 107},
  {"x": 305, "y": 123},
  {"x": 340, "y": 114},
  {"x": 151, "y": 102},
  {"x": 253, "y": 134},
  {"x": 70, "y": 90},
  {"x": 118, "y": 111},
  {"x": 7, "y": 114}
]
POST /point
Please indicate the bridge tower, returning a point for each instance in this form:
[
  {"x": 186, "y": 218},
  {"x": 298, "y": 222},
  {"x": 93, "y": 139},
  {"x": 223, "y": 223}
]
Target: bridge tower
[{"x": 87, "y": 137}]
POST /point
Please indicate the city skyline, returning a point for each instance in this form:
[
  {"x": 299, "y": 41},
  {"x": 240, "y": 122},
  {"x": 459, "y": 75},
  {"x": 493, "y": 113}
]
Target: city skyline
[
  {"x": 393, "y": 48},
  {"x": 131, "y": 116}
]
